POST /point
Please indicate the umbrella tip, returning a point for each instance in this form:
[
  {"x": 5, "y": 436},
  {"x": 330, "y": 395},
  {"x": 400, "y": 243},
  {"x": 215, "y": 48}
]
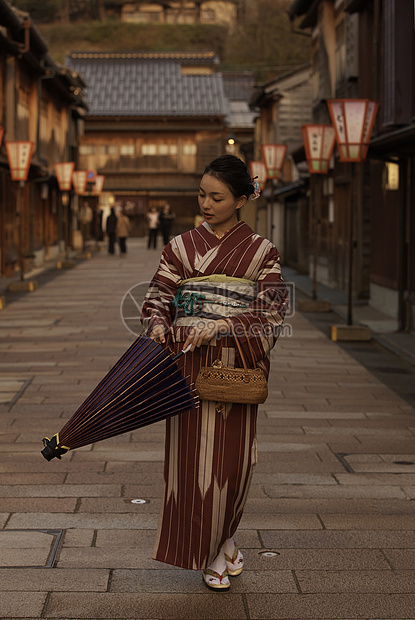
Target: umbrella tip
[{"x": 51, "y": 449}]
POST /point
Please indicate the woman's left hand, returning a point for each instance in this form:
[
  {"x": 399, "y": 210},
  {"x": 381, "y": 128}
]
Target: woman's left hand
[{"x": 203, "y": 333}]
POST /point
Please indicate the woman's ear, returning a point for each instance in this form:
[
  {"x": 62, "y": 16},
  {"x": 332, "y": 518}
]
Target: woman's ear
[{"x": 242, "y": 200}]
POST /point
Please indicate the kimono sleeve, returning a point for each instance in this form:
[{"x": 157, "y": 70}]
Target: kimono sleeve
[
  {"x": 262, "y": 321},
  {"x": 157, "y": 308}
]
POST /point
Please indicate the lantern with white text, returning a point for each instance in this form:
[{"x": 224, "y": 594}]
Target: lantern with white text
[
  {"x": 19, "y": 154},
  {"x": 353, "y": 121},
  {"x": 319, "y": 143},
  {"x": 273, "y": 156},
  {"x": 64, "y": 173},
  {"x": 79, "y": 180}
]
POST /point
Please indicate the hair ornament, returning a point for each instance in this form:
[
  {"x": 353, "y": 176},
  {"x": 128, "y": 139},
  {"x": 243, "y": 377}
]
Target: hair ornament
[{"x": 257, "y": 189}]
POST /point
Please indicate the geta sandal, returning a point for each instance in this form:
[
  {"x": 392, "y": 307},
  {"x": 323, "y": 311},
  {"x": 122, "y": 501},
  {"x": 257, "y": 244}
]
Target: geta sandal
[
  {"x": 216, "y": 581},
  {"x": 235, "y": 564}
]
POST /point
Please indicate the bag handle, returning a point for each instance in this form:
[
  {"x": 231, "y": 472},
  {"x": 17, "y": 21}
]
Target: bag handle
[
  {"x": 251, "y": 351},
  {"x": 238, "y": 345}
]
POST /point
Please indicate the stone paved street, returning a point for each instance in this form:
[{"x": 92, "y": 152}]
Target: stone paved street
[{"x": 328, "y": 531}]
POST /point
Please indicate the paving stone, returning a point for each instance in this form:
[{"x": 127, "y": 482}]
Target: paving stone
[
  {"x": 401, "y": 559},
  {"x": 85, "y": 521},
  {"x": 335, "y": 492},
  {"x": 166, "y": 606},
  {"x": 122, "y": 505},
  {"x": 40, "y": 504},
  {"x": 365, "y": 522},
  {"x": 283, "y": 522},
  {"x": 79, "y": 538},
  {"x": 25, "y": 605},
  {"x": 331, "y": 606},
  {"x": 177, "y": 580},
  {"x": 30, "y": 478},
  {"x": 349, "y": 539},
  {"x": 313, "y": 559},
  {"x": 63, "y": 490},
  {"x": 356, "y": 581},
  {"x": 264, "y": 473}
]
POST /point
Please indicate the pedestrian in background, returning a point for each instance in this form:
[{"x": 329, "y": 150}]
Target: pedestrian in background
[
  {"x": 111, "y": 227},
  {"x": 166, "y": 222},
  {"x": 122, "y": 230},
  {"x": 153, "y": 221},
  {"x": 210, "y": 451}
]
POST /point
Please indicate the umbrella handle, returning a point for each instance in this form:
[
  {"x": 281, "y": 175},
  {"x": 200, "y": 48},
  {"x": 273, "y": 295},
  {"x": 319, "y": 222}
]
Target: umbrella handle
[{"x": 186, "y": 350}]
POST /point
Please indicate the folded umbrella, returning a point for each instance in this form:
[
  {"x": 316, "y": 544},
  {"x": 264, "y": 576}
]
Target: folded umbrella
[{"x": 143, "y": 387}]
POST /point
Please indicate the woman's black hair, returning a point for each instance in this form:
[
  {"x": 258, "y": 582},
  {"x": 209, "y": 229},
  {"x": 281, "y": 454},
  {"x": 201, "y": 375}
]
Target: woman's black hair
[{"x": 234, "y": 173}]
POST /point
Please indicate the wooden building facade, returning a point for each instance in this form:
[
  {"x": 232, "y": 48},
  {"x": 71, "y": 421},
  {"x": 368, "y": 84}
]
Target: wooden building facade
[
  {"x": 40, "y": 102},
  {"x": 366, "y": 49}
]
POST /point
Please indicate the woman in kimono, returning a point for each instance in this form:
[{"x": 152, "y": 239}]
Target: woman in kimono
[{"x": 214, "y": 281}]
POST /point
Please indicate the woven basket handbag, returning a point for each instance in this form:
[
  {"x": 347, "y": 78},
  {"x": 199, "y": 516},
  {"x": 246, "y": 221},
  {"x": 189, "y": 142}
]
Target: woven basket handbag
[{"x": 222, "y": 384}]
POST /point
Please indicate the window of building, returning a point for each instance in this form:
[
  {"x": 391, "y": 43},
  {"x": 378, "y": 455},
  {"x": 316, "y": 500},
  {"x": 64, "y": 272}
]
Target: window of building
[
  {"x": 112, "y": 149},
  {"x": 149, "y": 149},
  {"x": 127, "y": 149},
  {"x": 189, "y": 149},
  {"x": 87, "y": 149}
]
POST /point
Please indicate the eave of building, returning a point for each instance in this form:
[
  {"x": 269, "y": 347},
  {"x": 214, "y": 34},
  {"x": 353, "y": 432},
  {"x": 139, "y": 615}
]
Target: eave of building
[
  {"x": 394, "y": 143},
  {"x": 146, "y": 124}
]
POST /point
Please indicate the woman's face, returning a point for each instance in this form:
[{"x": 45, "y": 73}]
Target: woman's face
[{"x": 217, "y": 203}]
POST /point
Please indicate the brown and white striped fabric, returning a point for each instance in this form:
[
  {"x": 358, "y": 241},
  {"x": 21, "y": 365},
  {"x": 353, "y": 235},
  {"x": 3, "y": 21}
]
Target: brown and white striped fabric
[{"x": 209, "y": 456}]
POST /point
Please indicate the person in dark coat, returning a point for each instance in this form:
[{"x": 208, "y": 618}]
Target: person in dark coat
[
  {"x": 166, "y": 222},
  {"x": 111, "y": 227}
]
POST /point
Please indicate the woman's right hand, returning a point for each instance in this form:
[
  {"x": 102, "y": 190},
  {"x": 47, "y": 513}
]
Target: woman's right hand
[{"x": 157, "y": 334}]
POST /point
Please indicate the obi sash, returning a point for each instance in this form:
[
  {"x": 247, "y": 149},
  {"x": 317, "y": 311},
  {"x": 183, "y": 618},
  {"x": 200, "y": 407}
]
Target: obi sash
[{"x": 212, "y": 297}]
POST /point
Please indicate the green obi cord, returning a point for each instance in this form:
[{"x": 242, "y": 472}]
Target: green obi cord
[{"x": 213, "y": 296}]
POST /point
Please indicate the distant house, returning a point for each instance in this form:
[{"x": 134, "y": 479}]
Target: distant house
[
  {"x": 222, "y": 12},
  {"x": 154, "y": 121}
]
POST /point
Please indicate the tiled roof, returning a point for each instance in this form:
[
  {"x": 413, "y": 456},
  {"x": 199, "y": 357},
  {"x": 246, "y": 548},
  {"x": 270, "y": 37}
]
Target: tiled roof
[{"x": 149, "y": 84}]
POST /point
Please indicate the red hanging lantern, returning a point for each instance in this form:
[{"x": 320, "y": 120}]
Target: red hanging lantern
[
  {"x": 319, "y": 144},
  {"x": 273, "y": 156},
  {"x": 79, "y": 180},
  {"x": 19, "y": 154},
  {"x": 64, "y": 173},
  {"x": 353, "y": 121}
]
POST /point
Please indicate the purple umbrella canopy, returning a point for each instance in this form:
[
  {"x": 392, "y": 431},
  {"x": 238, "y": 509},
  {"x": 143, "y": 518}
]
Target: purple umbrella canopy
[{"x": 143, "y": 387}]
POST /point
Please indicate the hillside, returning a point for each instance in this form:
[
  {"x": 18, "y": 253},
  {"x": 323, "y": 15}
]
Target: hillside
[{"x": 264, "y": 46}]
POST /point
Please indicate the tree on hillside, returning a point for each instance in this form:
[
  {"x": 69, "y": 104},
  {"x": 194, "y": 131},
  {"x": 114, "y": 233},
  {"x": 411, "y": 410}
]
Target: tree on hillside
[
  {"x": 63, "y": 10},
  {"x": 264, "y": 41}
]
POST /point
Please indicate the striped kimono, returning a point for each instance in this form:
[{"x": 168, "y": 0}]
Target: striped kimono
[{"x": 210, "y": 451}]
